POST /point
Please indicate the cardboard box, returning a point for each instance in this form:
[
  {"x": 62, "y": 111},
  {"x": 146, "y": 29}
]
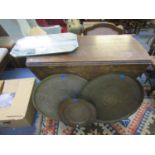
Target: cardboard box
[{"x": 21, "y": 112}]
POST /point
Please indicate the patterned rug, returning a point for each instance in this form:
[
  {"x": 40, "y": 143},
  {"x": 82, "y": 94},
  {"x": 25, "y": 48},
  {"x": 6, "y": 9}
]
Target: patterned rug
[{"x": 140, "y": 123}]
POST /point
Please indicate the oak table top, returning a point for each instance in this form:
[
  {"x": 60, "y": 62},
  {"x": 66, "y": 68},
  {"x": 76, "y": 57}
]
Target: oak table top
[{"x": 122, "y": 49}]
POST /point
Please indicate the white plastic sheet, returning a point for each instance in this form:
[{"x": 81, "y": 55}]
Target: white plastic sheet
[{"x": 45, "y": 44}]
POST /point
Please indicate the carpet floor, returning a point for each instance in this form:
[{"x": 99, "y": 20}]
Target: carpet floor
[{"x": 140, "y": 123}]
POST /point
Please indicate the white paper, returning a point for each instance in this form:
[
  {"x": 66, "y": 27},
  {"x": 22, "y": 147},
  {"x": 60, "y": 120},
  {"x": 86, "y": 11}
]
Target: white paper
[{"x": 6, "y": 99}]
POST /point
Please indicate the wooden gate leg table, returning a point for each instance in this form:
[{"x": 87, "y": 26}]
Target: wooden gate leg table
[{"x": 95, "y": 56}]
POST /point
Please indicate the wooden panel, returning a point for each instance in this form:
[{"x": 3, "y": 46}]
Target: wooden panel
[
  {"x": 102, "y": 28},
  {"x": 89, "y": 71}
]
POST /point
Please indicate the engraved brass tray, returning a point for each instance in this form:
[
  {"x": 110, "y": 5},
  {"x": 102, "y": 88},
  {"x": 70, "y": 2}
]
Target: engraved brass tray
[
  {"x": 53, "y": 90},
  {"x": 115, "y": 96}
]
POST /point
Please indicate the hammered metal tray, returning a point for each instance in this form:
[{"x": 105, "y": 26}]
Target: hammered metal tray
[
  {"x": 53, "y": 90},
  {"x": 115, "y": 96},
  {"x": 77, "y": 112}
]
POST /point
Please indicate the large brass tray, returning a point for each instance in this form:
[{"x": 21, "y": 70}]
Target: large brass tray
[
  {"x": 53, "y": 90},
  {"x": 115, "y": 96}
]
